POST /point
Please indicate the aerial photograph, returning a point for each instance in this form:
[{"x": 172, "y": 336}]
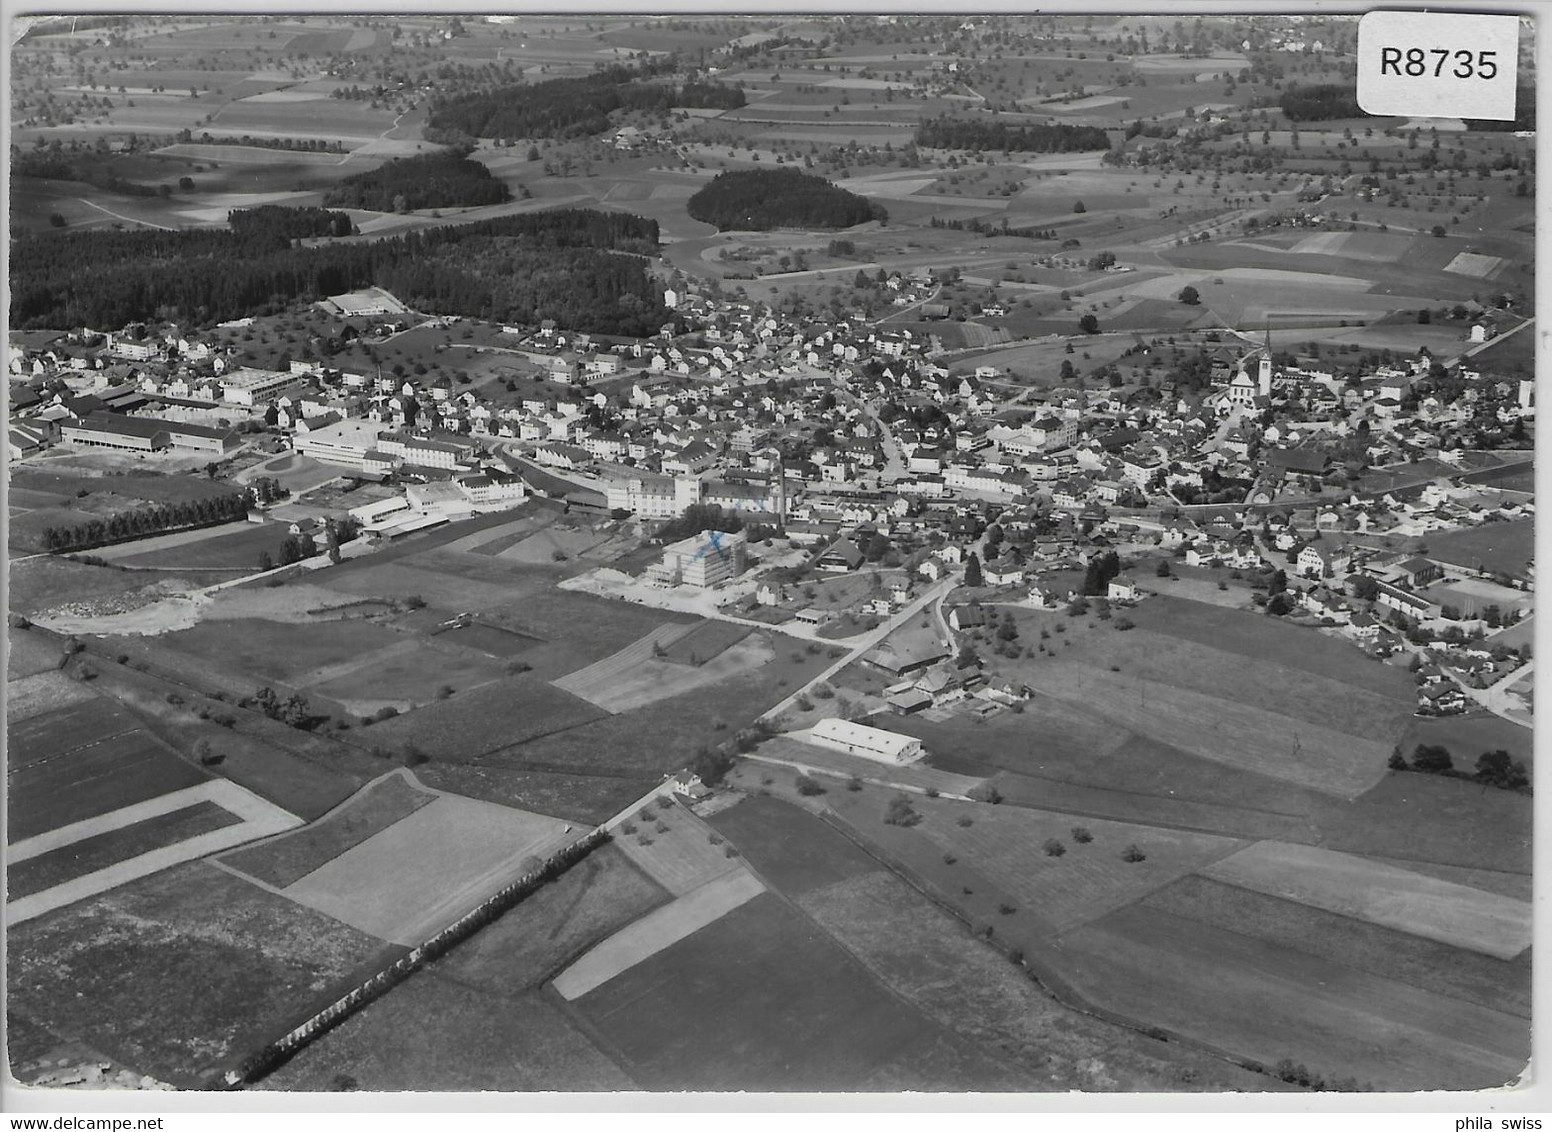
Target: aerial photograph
[{"x": 705, "y": 553}]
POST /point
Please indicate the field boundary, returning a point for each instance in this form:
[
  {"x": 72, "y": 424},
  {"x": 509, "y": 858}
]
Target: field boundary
[
  {"x": 259, "y": 819},
  {"x": 319, "y": 1023},
  {"x": 657, "y": 931},
  {"x": 1039, "y": 969}
]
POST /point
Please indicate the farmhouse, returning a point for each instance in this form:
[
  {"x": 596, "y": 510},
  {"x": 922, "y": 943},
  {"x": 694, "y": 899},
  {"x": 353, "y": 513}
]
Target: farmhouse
[{"x": 868, "y": 742}]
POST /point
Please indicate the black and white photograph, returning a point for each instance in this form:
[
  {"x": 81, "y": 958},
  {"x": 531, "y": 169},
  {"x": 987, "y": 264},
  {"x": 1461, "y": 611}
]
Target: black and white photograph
[{"x": 715, "y": 552}]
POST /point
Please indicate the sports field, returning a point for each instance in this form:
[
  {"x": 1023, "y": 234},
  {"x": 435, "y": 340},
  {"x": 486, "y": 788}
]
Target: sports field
[
  {"x": 425, "y": 870},
  {"x": 1382, "y": 894}
]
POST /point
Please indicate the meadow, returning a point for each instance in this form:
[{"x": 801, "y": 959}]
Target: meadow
[
  {"x": 182, "y": 973},
  {"x": 777, "y": 1006}
]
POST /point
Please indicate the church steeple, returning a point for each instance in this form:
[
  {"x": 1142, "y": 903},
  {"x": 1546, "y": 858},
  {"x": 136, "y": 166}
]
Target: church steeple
[{"x": 1264, "y": 370}]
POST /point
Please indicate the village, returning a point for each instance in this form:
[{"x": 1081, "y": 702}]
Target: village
[{"x": 854, "y": 448}]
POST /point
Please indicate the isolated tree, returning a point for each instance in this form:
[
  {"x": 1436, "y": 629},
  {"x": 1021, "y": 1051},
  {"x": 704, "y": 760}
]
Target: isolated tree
[
  {"x": 1089, "y": 324},
  {"x": 1397, "y": 760},
  {"x": 973, "y": 575},
  {"x": 1079, "y": 206},
  {"x": 1190, "y": 296},
  {"x": 1432, "y": 758}
]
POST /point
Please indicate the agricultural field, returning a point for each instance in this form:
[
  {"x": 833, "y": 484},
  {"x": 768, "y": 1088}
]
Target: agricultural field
[
  {"x": 403, "y": 879},
  {"x": 777, "y": 1006},
  {"x": 182, "y": 973},
  {"x": 281, "y": 862},
  {"x": 1447, "y": 913},
  {"x": 82, "y": 761},
  {"x": 1265, "y": 1000}
]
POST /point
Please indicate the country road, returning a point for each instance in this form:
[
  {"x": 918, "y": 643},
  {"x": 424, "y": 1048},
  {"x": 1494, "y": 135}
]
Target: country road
[{"x": 870, "y": 640}]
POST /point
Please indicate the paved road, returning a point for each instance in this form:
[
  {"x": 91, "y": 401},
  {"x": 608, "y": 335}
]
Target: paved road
[
  {"x": 1480, "y": 346},
  {"x": 870, "y": 640}
]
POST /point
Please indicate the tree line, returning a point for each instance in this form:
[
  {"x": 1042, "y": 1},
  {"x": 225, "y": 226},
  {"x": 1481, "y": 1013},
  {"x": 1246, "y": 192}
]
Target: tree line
[
  {"x": 1321, "y": 103},
  {"x": 762, "y": 199},
  {"x": 288, "y": 223},
  {"x": 486, "y": 269},
  {"x": 983, "y": 228},
  {"x": 964, "y": 133},
  {"x": 445, "y": 179},
  {"x": 570, "y": 107},
  {"x": 127, "y": 525},
  {"x": 52, "y": 165}
]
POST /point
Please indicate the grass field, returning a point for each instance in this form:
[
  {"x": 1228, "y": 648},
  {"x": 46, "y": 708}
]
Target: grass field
[
  {"x": 38, "y": 584},
  {"x": 1504, "y": 548},
  {"x": 1006, "y": 845},
  {"x": 28, "y": 654},
  {"x": 238, "y": 548},
  {"x": 657, "y": 931},
  {"x": 1268, "y": 1002},
  {"x": 425, "y": 870},
  {"x": 83, "y": 761},
  {"x": 796, "y": 853},
  {"x": 1236, "y": 734},
  {"x": 181, "y": 972},
  {"x": 1448, "y": 913},
  {"x": 271, "y": 650},
  {"x": 673, "y": 847},
  {"x": 436, "y": 1033},
  {"x": 404, "y": 675},
  {"x": 635, "y": 677},
  {"x": 1467, "y": 736},
  {"x": 45, "y": 692},
  {"x": 283, "y": 860},
  {"x": 535, "y": 939},
  {"x": 90, "y": 854},
  {"x": 473, "y": 725},
  {"x": 705, "y": 642},
  {"x": 775, "y": 1006},
  {"x": 924, "y": 954},
  {"x": 1467, "y": 975}
]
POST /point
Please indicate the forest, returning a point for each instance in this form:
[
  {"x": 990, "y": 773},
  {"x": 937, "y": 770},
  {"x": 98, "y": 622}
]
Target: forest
[
  {"x": 53, "y": 164},
  {"x": 963, "y": 133},
  {"x": 562, "y": 264},
  {"x": 570, "y": 107},
  {"x": 1321, "y": 103},
  {"x": 761, "y": 199},
  {"x": 445, "y": 179},
  {"x": 289, "y": 223}
]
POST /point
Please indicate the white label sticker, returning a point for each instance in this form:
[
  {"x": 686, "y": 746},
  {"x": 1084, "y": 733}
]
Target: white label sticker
[{"x": 1438, "y": 64}]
